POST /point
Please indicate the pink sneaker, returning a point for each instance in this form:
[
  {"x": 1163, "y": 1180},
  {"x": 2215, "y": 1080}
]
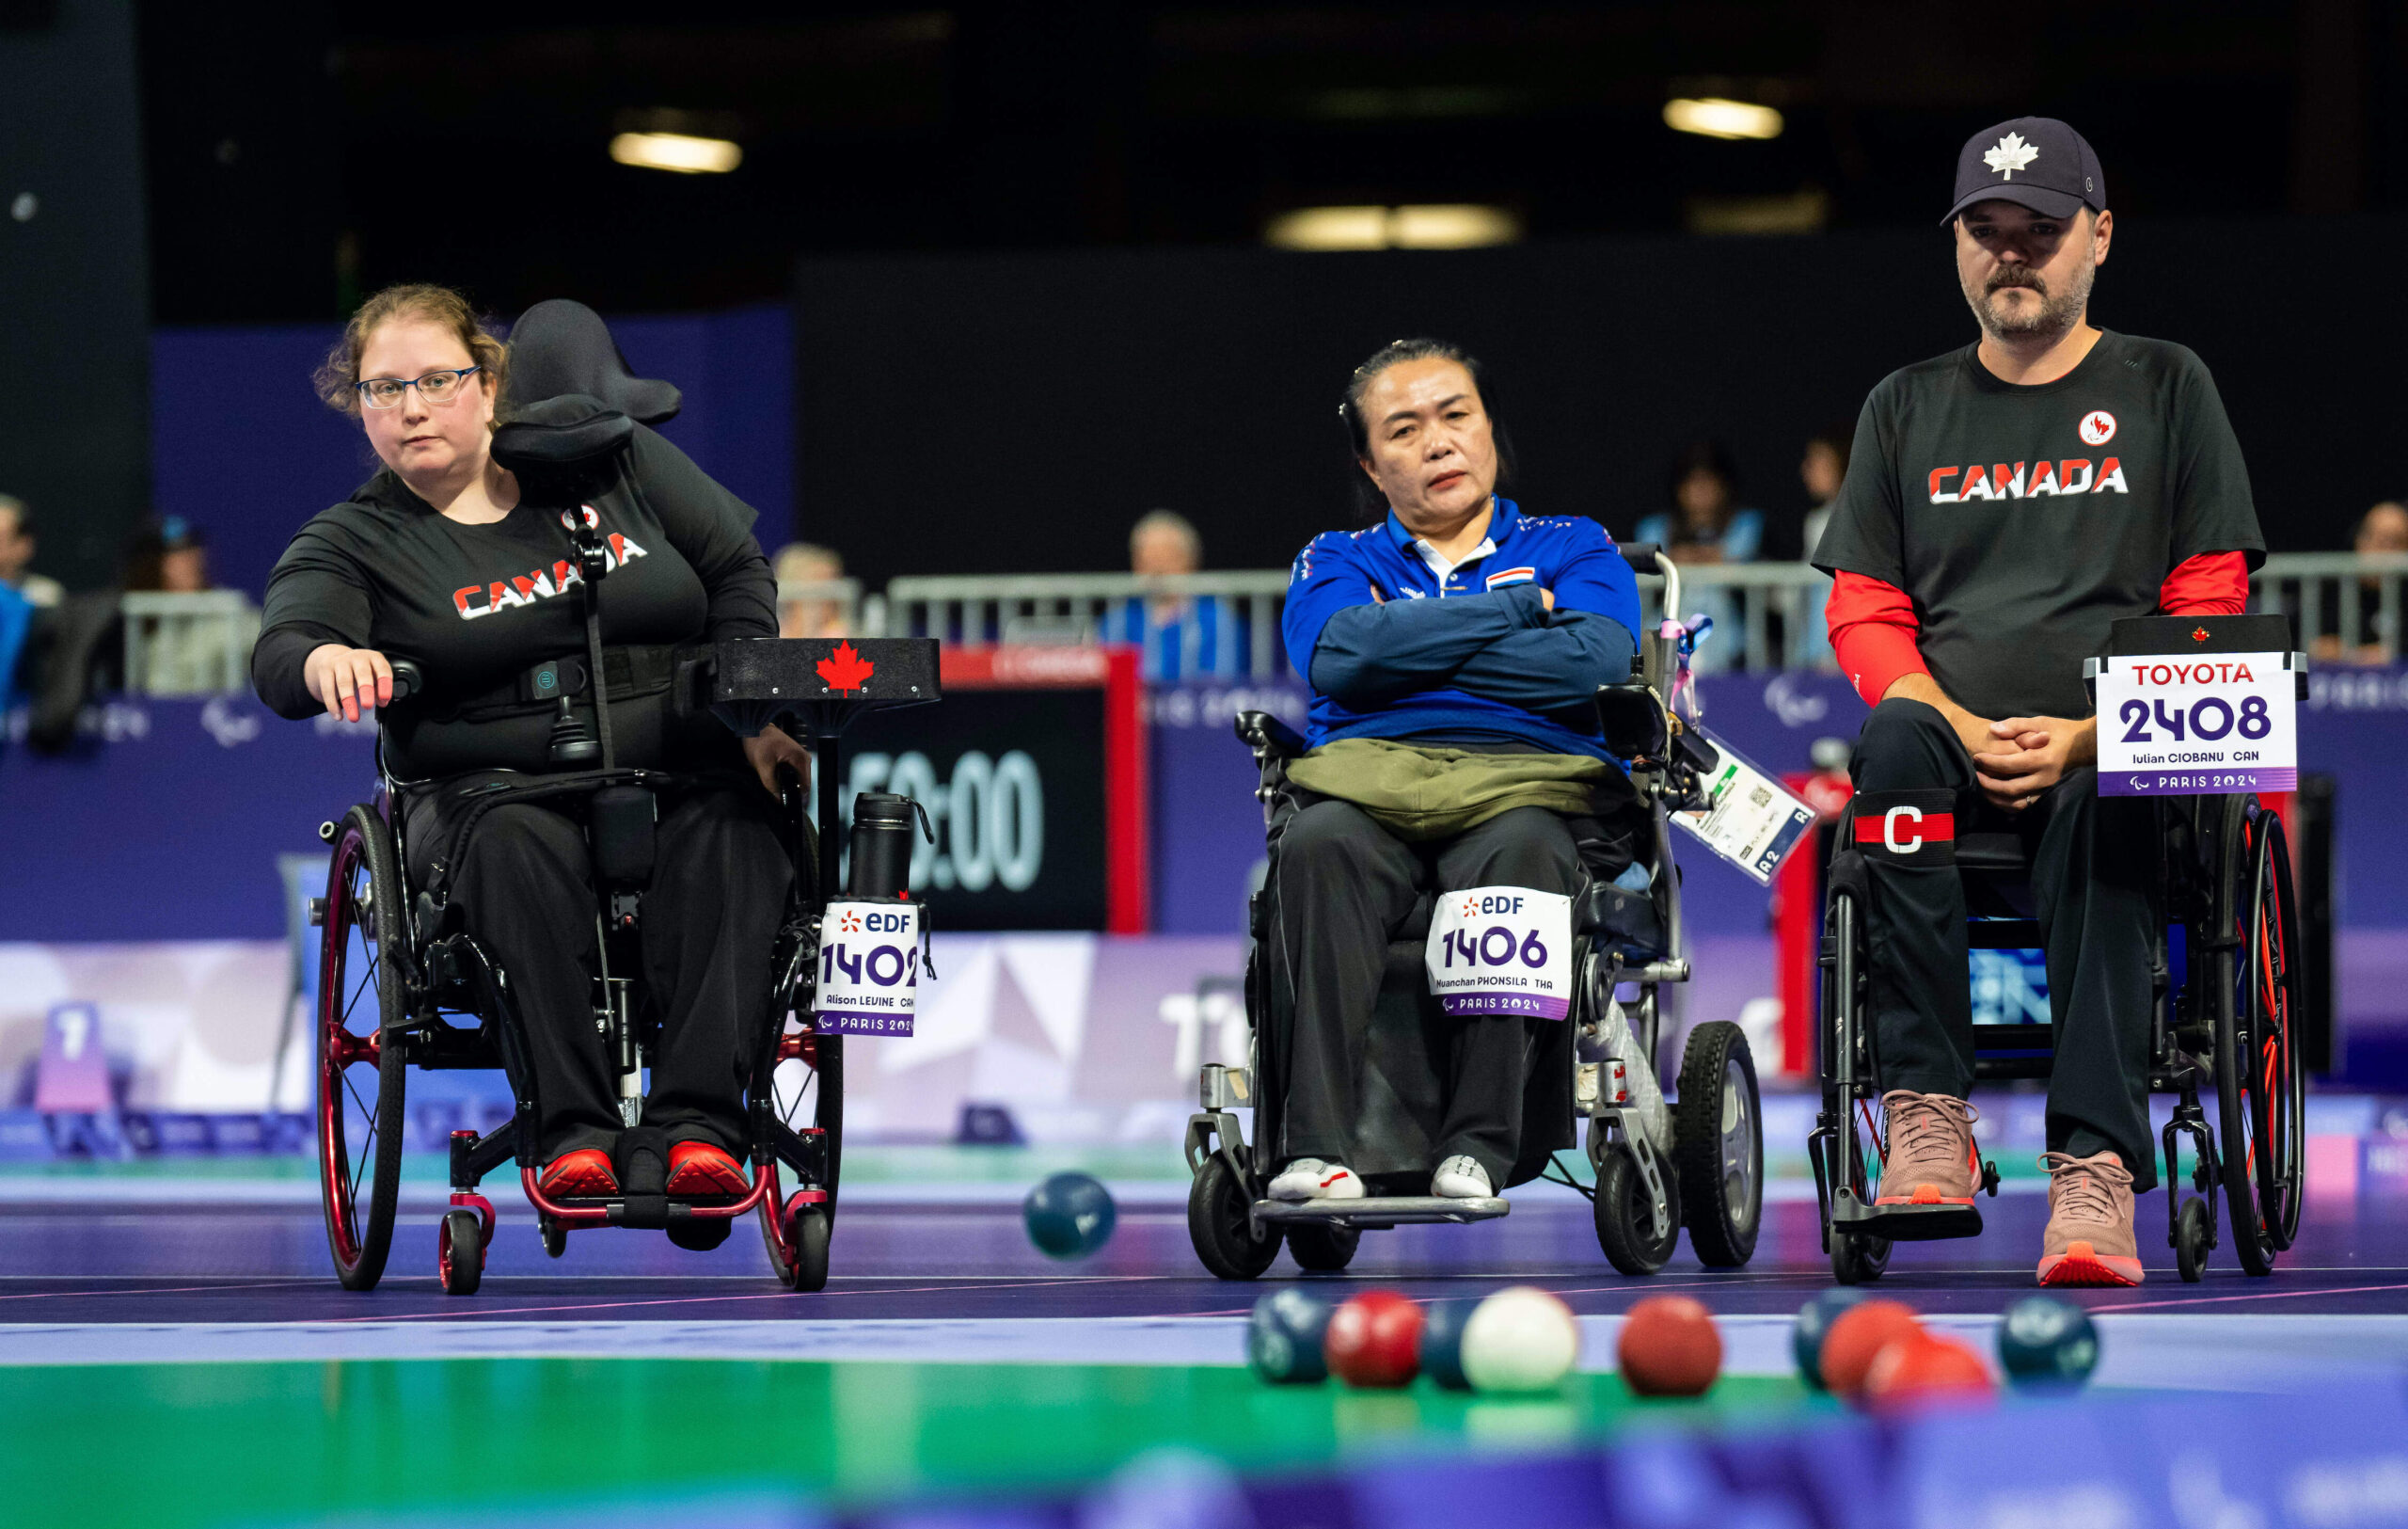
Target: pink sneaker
[
  {"x": 1931, "y": 1159},
  {"x": 2089, "y": 1239}
]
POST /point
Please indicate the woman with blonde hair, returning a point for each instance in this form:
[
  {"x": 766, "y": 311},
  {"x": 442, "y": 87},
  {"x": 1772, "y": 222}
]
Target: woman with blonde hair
[{"x": 437, "y": 559}]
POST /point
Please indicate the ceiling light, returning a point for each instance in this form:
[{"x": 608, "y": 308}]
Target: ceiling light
[
  {"x": 1425, "y": 226},
  {"x": 678, "y": 152},
  {"x": 1714, "y": 118}
]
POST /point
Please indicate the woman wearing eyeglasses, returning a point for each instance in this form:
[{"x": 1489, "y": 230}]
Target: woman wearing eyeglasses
[{"x": 436, "y": 560}]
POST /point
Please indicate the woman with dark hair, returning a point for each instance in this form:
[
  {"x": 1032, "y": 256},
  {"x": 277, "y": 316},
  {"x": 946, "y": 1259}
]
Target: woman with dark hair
[
  {"x": 1454, "y": 650},
  {"x": 437, "y": 559},
  {"x": 1707, "y": 524}
]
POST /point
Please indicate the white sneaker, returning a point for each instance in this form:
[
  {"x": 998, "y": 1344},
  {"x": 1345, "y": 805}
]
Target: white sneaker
[
  {"x": 1461, "y": 1178},
  {"x": 1309, "y": 1178}
]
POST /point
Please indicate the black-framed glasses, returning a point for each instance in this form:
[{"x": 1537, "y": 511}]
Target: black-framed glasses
[{"x": 440, "y": 386}]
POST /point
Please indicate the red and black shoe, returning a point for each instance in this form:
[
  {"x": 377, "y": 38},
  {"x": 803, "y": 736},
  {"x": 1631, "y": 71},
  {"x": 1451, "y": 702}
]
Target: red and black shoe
[
  {"x": 583, "y": 1174},
  {"x": 698, "y": 1169}
]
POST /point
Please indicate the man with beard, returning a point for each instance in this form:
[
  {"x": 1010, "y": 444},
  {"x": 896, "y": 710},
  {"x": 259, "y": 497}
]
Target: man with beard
[{"x": 2004, "y": 504}]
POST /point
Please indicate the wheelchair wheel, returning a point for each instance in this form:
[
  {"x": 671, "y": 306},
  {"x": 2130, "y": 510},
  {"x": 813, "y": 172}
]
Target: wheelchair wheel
[
  {"x": 1626, "y": 1218},
  {"x": 797, "y": 1236},
  {"x": 555, "y": 1237},
  {"x": 360, "y": 1080},
  {"x": 1719, "y": 1146},
  {"x": 2192, "y": 1237},
  {"x": 1221, "y": 1225},
  {"x": 1858, "y": 1258},
  {"x": 2261, "y": 1092},
  {"x": 1323, "y": 1249},
  {"x": 460, "y": 1258}
]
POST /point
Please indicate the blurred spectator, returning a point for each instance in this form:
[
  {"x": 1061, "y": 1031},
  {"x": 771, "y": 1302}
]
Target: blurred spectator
[
  {"x": 182, "y": 653},
  {"x": 1706, "y": 525},
  {"x": 807, "y": 563},
  {"x": 2369, "y": 633},
  {"x": 1182, "y": 637},
  {"x": 1821, "y": 471},
  {"x": 170, "y": 556},
  {"x": 17, "y": 553}
]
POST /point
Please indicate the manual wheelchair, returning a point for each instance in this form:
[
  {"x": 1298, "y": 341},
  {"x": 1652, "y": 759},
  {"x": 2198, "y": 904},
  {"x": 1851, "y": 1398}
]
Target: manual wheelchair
[
  {"x": 2227, "y": 982},
  {"x": 1713, "y": 1179}
]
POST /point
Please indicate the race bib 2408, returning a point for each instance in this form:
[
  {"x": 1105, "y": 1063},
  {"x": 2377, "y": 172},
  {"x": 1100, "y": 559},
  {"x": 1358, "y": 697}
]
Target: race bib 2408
[
  {"x": 869, "y": 968},
  {"x": 1501, "y": 950},
  {"x": 2215, "y": 724}
]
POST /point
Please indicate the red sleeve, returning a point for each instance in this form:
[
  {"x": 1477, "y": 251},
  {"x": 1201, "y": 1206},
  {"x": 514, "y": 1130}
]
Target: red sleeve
[
  {"x": 1873, "y": 630},
  {"x": 2210, "y": 584}
]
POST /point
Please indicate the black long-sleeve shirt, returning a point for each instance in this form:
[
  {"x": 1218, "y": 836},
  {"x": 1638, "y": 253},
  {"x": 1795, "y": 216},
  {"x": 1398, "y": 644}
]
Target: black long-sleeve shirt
[{"x": 477, "y": 605}]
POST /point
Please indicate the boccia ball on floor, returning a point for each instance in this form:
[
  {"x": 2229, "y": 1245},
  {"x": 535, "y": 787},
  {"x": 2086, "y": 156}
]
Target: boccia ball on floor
[
  {"x": 2047, "y": 1342},
  {"x": 1814, "y": 1321},
  {"x": 1442, "y": 1342},
  {"x": 1856, "y": 1335},
  {"x": 1069, "y": 1216},
  {"x": 1670, "y": 1347},
  {"x": 1283, "y": 1338},
  {"x": 1374, "y": 1340},
  {"x": 1919, "y": 1370},
  {"x": 1521, "y": 1338}
]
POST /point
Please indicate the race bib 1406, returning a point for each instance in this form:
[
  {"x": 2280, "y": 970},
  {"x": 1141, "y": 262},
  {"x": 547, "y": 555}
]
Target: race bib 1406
[
  {"x": 869, "y": 968},
  {"x": 1501, "y": 950},
  {"x": 2218, "y": 724}
]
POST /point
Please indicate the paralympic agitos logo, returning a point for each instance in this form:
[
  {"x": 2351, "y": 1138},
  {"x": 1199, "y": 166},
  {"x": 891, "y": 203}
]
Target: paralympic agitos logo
[
  {"x": 2003, "y": 480},
  {"x": 474, "y": 601}
]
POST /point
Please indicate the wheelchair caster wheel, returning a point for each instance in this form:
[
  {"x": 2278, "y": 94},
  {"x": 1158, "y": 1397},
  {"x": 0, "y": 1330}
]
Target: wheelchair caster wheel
[
  {"x": 555, "y": 1237},
  {"x": 2194, "y": 1234},
  {"x": 1220, "y": 1222},
  {"x": 1626, "y": 1219},
  {"x": 1323, "y": 1250},
  {"x": 460, "y": 1253},
  {"x": 1858, "y": 1258},
  {"x": 803, "y": 1262}
]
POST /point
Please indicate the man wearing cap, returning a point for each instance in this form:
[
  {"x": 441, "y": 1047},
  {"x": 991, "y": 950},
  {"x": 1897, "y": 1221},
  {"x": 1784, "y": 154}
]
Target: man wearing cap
[{"x": 2004, "y": 504}]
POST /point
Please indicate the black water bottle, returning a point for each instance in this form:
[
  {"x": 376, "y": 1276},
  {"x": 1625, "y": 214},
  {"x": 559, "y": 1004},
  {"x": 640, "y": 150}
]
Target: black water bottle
[{"x": 882, "y": 827}]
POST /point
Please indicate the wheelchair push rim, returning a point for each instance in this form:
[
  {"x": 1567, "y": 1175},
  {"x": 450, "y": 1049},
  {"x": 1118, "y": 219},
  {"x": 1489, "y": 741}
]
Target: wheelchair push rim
[
  {"x": 2260, "y": 1086},
  {"x": 360, "y": 1117}
]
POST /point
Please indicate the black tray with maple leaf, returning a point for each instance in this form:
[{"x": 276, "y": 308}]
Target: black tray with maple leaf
[{"x": 770, "y": 674}]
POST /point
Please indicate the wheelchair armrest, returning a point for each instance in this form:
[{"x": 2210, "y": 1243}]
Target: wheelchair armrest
[
  {"x": 1632, "y": 718},
  {"x": 1268, "y": 737},
  {"x": 409, "y": 679}
]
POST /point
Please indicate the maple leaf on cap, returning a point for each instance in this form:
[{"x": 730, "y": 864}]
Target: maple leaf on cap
[
  {"x": 2011, "y": 153},
  {"x": 846, "y": 670}
]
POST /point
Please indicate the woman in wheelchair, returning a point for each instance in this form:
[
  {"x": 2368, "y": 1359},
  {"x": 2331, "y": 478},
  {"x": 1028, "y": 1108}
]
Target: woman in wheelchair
[
  {"x": 1454, "y": 649},
  {"x": 437, "y": 559}
]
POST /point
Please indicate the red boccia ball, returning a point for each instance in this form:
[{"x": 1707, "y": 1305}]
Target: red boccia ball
[
  {"x": 1374, "y": 1339},
  {"x": 1861, "y": 1331},
  {"x": 1670, "y": 1347},
  {"x": 1919, "y": 1370}
]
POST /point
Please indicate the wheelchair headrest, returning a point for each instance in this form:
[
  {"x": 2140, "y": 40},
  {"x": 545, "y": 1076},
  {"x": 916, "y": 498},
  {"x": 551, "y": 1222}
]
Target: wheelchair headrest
[
  {"x": 559, "y": 347},
  {"x": 574, "y": 430}
]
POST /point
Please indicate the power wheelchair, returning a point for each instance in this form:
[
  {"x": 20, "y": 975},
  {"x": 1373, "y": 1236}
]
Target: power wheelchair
[
  {"x": 401, "y": 985},
  {"x": 2226, "y": 974},
  {"x": 1712, "y": 1180}
]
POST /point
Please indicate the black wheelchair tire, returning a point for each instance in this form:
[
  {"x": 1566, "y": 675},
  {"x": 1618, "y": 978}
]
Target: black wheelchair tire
[
  {"x": 360, "y": 1230},
  {"x": 1220, "y": 1224},
  {"x": 1323, "y": 1249},
  {"x": 1625, "y": 1228},
  {"x": 2192, "y": 1237},
  {"x": 460, "y": 1256},
  {"x": 803, "y": 1267},
  {"x": 1857, "y": 1257},
  {"x": 2247, "y": 1101},
  {"x": 555, "y": 1237},
  {"x": 1719, "y": 1145}
]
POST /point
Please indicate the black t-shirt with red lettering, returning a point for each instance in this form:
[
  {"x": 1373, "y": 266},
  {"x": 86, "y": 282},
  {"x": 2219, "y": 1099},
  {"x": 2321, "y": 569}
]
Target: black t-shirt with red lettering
[
  {"x": 2021, "y": 521},
  {"x": 477, "y": 606}
]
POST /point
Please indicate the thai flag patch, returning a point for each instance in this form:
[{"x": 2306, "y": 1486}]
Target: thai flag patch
[{"x": 1512, "y": 576}]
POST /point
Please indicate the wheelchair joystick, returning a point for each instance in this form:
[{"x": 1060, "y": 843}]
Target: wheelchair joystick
[{"x": 570, "y": 743}]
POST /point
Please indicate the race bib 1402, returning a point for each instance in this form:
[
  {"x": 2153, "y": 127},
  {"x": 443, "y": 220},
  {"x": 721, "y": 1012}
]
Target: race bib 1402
[
  {"x": 1501, "y": 950},
  {"x": 2220, "y": 724},
  {"x": 869, "y": 968}
]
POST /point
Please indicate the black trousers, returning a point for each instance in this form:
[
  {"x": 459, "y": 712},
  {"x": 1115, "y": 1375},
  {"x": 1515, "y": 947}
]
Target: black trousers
[
  {"x": 2094, "y": 887},
  {"x": 1345, "y": 886},
  {"x": 525, "y": 887}
]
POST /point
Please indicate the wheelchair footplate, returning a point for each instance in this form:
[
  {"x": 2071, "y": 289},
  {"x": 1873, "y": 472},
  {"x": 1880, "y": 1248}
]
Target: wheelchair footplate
[
  {"x": 1937, "y": 1221},
  {"x": 1376, "y": 1212}
]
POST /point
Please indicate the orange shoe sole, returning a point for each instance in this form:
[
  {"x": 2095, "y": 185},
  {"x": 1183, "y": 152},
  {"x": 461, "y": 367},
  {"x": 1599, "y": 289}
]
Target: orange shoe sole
[
  {"x": 1925, "y": 1194},
  {"x": 2081, "y": 1265},
  {"x": 700, "y": 1170}
]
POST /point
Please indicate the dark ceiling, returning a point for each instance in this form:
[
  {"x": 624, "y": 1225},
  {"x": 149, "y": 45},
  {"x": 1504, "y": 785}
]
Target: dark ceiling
[{"x": 297, "y": 159}]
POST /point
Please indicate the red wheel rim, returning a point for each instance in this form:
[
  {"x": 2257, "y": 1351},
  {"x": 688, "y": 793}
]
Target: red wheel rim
[{"x": 341, "y": 1046}]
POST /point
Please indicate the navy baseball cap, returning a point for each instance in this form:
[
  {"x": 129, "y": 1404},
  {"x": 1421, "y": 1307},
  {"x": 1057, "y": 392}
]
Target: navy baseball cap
[{"x": 2035, "y": 162}]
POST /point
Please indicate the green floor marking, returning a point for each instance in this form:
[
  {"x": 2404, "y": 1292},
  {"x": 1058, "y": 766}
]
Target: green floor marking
[{"x": 170, "y": 1446}]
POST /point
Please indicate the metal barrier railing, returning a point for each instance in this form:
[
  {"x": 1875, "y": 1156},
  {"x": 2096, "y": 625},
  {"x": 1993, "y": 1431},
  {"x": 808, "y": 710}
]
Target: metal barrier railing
[
  {"x": 2344, "y": 606},
  {"x": 197, "y": 644},
  {"x": 977, "y": 611}
]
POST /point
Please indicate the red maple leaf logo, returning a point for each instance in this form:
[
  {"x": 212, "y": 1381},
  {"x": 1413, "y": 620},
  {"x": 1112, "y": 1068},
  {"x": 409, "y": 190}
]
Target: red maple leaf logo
[
  {"x": 846, "y": 671},
  {"x": 2199, "y": 634}
]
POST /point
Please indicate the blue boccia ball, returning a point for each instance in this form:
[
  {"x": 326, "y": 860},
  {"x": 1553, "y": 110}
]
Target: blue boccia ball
[
  {"x": 1814, "y": 1319},
  {"x": 2046, "y": 1342},
  {"x": 1283, "y": 1337},
  {"x": 1442, "y": 1342},
  {"x": 1069, "y": 1216}
]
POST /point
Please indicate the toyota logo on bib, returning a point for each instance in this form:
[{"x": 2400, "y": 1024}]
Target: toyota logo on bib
[{"x": 2097, "y": 427}]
